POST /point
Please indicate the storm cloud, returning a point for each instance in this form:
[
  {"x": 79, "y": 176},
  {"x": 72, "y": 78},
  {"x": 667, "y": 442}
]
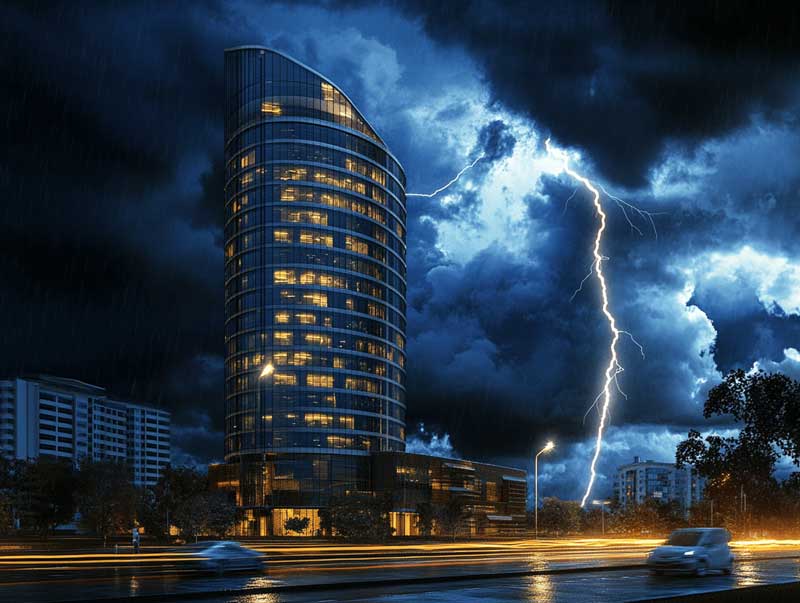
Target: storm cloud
[{"x": 112, "y": 185}]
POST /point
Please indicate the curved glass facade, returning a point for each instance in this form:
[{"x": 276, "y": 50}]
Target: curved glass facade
[{"x": 314, "y": 284}]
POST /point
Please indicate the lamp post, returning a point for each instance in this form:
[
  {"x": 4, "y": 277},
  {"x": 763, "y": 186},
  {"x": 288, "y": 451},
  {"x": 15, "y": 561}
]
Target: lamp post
[
  {"x": 602, "y": 504},
  {"x": 547, "y": 448}
]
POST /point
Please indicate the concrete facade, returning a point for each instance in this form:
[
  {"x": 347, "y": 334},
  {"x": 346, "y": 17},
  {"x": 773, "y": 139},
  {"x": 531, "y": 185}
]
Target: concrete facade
[
  {"x": 72, "y": 420},
  {"x": 639, "y": 481}
]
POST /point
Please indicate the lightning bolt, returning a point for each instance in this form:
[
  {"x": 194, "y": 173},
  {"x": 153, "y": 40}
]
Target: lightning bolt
[
  {"x": 449, "y": 184},
  {"x": 613, "y": 368}
]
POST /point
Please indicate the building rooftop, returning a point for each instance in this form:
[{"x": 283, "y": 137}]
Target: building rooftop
[
  {"x": 66, "y": 383},
  {"x": 81, "y": 386}
]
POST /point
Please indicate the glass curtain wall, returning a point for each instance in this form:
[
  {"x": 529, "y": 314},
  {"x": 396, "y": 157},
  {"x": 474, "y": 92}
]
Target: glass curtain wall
[{"x": 314, "y": 284}]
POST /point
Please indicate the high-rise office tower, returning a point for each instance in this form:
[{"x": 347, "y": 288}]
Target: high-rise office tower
[{"x": 314, "y": 286}]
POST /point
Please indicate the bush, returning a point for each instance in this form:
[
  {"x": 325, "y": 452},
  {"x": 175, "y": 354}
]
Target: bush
[{"x": 298, "y": 525}]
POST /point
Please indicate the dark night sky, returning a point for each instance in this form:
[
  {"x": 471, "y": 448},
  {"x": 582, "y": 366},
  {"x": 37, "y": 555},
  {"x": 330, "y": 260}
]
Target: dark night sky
[{"x": 111, "y": 260}]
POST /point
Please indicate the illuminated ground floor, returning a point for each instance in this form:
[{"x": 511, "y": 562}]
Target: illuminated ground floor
[{"x": 282, "y": 496}]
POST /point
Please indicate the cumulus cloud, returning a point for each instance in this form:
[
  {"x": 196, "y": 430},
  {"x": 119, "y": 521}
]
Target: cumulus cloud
[
  {"x": 589, "y": 74},
  {"x": 789, "y": 365},
  {"x": 430, "y": 443},
  {"x": 499, "y": 356},
  {"x": 774, "y": 279},
  {"x": 193, "y": 437}
]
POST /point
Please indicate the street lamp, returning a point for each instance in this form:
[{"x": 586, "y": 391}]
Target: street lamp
[
  {"x": 547, "y": 448},
  {"x": 602, "y": 504},
  {"x": 266, "y": 372}
]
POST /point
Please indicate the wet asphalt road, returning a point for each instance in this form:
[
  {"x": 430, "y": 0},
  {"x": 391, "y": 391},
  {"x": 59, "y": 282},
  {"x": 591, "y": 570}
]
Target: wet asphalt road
[
  {"x": 596, "y": 586},
  {"x": 593, "y": 587},
  {"x": 82, "y": 577}
]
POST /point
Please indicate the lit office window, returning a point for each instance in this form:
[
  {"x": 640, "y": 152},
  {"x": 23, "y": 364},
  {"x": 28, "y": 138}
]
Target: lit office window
[
  {"x": 357, "y": 245},
  {"x": 284, "y": 277},
  {"x": 270, "y": 108},
  {"x": 337, "y": 441},
  {"x": 282, "y": 236},
  {"x": 247, "y": 160},
  {"x": 315, "y": 380},
  {"x": 282, "y": 337},
  {"x": 284, "y": 379},
  {"x": 306, "y": 318},
  {"x": 308, "y": 237},
  {"x": 301, "y": 358},
  {"x": 320, "y": 339},
  {"x": 317, "y": 419},
  {"x": 315, "y": 299}
]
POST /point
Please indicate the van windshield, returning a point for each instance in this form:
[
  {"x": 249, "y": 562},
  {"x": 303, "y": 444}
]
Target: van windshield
[{"x": 685, "y": 538}]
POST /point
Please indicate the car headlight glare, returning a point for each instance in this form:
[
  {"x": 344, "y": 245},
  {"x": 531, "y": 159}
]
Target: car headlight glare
[{"x": 688, "y": 553}]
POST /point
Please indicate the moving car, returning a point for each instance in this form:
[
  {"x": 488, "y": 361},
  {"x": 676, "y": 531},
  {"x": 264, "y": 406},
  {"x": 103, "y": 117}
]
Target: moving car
[
  {"x": 693, "y": 550},
  {"x": 227, "y": 556}
]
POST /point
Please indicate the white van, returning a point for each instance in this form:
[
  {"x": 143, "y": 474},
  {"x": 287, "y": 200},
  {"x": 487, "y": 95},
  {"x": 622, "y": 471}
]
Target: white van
[{"x": 693, "y": 550}]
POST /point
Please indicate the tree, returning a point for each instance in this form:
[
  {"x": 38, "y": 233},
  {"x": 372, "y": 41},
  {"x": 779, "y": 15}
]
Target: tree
[
  {"x": 46, "y": 494},
  {"x": 426, "y": 516},
  {"x": 646, "y": 518},
  {"x": 559, "y": 516},
  {"x": 452, "y": 517},
  {"x": 790, "y": 505},
  {"x": 6, "y": 514},
  {"x": 150, "y": 513},
  {"x": 592, "y": 521},
  {"x": 740, "y": 470},
  {"x": 357, "y": 516},
  {"x": 9, "y": 493},
  {"x": 220, "y": 515},
  {"x": 106, "y": 497},
  {"x": 169, "y": 501},
  {"x": 206, "y": 514},
  {"x": 298, "y": 525},
  {"x": 768, "y": 406}
]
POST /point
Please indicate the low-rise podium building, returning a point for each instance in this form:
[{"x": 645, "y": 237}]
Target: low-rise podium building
[{"x": 493, "y": 496}]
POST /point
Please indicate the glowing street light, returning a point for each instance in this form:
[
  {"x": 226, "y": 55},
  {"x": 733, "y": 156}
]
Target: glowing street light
[
  {"x": 547, "y": 448},
  {"x": 267, "y": 370}
]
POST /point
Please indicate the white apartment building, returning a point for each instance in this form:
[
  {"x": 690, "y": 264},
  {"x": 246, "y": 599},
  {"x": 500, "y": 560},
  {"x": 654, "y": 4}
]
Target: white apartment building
[
  {"x": 642, "y": 480},
  {"x": 70, "y": 419}
]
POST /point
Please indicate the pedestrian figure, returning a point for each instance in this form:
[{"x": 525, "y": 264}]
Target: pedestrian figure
[{"x": 135, "y": 538}]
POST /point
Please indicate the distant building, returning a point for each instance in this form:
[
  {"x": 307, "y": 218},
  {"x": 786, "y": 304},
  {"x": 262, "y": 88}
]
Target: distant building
[
  {"x": 73, "y": 420},
  {"x": 642, "y": 480}
]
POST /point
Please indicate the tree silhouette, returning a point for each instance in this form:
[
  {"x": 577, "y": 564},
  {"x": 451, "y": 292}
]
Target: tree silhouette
[{"x": 740, "y": 470}]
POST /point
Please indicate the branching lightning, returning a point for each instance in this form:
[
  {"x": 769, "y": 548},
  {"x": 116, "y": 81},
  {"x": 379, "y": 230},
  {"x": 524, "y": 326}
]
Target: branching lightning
[
  {"x": 613, "y": 368},
  {"x": 449, "y": 184}
]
